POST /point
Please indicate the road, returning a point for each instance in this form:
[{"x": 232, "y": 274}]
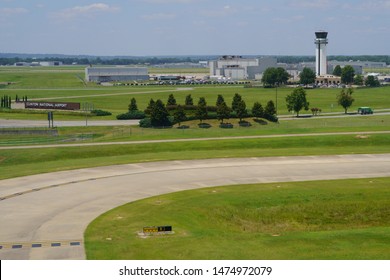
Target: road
[
  {"x": 12, "y": 123},
  {"x": 44, "y": 216}
]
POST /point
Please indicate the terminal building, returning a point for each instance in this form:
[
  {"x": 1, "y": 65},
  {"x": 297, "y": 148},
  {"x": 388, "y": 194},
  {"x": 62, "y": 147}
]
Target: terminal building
[
  {"x": 239, "y": 68},
  {"x": 116, "y": 74}
]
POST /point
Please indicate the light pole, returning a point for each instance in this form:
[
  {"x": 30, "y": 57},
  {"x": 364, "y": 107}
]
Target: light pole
[{"x": 276, "y": 99}]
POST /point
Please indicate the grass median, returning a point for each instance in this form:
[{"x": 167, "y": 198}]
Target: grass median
[{"x": 340, "y": 219}]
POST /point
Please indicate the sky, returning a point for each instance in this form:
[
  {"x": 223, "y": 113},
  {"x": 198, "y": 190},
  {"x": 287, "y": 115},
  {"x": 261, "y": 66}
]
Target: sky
[{"x": 193, "y": 27}]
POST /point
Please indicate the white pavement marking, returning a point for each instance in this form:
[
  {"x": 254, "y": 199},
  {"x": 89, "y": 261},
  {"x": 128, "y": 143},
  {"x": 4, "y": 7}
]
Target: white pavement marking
[{"x": 69, "y": 200}]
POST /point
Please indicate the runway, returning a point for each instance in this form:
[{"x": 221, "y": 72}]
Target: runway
[{"x": 44, "y": 216}]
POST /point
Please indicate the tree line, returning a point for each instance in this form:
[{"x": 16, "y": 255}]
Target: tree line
[
  {"x": 274, "y": 77},
  {"x": 159, "y": 114},
  {"x": 68, "y": 60}
]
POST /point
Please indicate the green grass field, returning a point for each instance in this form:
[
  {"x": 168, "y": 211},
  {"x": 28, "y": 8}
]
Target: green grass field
[
  {"x": 346, "y": 219},
  {"x": 23, "y": 162},
  {"x": 65, "y": 84},
  {"x": 312, "y": 220}
]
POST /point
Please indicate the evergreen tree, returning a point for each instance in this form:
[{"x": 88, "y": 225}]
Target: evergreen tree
[
  {"x": 241, "y": 110},
  {"x": 220, "y": 100},
  {"x": 258, "y": 110},
  {"x": 223, "y": 111},
  {"x": 171, "y": 100},
  {"x": 201, "y": 110},
  {"x": 189, "y": 101},
  {"x": 179, "y": 115},
  {"x": 159, "y": 114},
  {"x": 236, "y": 100},
  {"x": 133, "y": 105},
  {"x": 150, "y": 105}
]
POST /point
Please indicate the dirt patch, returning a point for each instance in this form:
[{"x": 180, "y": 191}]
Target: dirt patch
[{"x": 362, "y": 136}]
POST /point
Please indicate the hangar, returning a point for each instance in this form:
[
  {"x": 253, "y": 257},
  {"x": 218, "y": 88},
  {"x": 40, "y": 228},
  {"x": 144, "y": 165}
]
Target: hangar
[
  {"x": 116, "y": 74},
  {"x": 239, "y": 68}
]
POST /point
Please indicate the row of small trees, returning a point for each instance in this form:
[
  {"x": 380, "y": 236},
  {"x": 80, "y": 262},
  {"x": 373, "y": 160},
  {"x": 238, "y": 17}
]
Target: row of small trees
[
  {"x": 6, "y": 102},
  {"x": 158, "y": 114}
]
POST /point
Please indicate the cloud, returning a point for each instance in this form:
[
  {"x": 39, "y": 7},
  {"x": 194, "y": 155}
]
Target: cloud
[
  {"x": 12, "y": 11},
  {"x": 376, "y": 5},
  {"x": 159, "y": 16},
  {"x": 89, "y": 10},
  {"x": 167, "y": 1},
  {"x": 289, "y": 19},
  {"x": 307, "y": 4},
  {"x": 221, "y": 12}
]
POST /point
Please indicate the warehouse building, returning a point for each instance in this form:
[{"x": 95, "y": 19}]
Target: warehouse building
[
  {"x": 116, "y": 74},
  {"x": 239, "y": 68}
]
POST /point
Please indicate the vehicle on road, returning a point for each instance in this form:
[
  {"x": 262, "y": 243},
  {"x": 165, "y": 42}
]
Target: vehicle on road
[{"x": 365, "y": 110}]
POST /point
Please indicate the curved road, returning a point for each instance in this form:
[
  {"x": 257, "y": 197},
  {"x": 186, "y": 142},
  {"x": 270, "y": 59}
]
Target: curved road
[{"x": 44, "y": 216}]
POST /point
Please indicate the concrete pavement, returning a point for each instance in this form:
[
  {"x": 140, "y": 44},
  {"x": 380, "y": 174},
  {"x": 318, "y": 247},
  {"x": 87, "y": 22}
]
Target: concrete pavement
[{"x": 44, "y": 216}]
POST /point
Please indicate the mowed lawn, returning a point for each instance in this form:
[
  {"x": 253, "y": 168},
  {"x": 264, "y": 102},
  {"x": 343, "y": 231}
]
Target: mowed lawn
[
  {"x": 342, "y": 219},
  {"x": 66, "y": 84}
]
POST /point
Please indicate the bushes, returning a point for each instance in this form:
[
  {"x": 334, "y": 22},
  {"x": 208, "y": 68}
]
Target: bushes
[
  {"x": 132, "y": 115},
  {"x": 101, "y": 113}
]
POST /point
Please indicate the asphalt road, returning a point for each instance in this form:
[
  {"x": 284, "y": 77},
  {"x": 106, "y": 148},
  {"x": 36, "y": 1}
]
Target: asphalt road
[{"x": 44, "y": 216}]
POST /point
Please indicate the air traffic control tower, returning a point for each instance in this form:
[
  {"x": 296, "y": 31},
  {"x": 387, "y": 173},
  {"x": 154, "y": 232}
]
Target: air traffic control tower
[{"x": 321, "y": 60}]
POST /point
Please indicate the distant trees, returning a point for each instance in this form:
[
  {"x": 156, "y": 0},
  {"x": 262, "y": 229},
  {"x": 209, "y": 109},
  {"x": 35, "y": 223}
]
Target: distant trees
[
  {"x": 296, "y": 101},
  {"x": 307, "y": 76},
  {"x": 359, "y": 80},
  {"x": 372, "y": 81},
  {"x": 345, "y": 98},
  {"x": 6, "y": 102},
  {"x": 347, "y": 74},
  {"x": 337, "y": 71},
  {"x": 275, "y": 76}
]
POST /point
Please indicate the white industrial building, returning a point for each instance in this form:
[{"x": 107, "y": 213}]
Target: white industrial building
[
  {"x": 116, "y": 74},
  {"x": 239, "y": 68},
  {"x": 50, "y": 63}
]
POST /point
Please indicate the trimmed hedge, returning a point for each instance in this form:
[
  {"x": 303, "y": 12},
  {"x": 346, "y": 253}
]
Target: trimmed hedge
[
  {"x": 132, "y": 115},
  {"x": 101, "y": 113}
]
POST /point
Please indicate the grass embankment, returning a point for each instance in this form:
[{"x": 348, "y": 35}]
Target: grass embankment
[
  {"x": 22, "y": 162},
  {"x": 344, "y": 219},
  {"x": 134, "y": 133}
]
